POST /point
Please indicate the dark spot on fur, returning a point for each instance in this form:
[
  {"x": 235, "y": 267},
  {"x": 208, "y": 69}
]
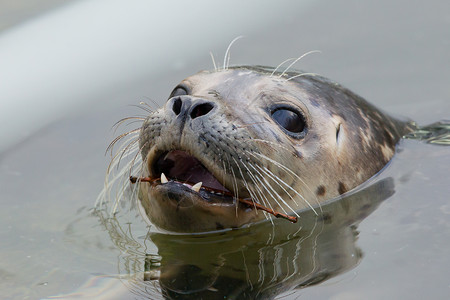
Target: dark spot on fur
[
  {"x": 342, "y": 188},
  {"x": 320, "y": 190},
  {"x": 326, "y": 218},
  {"x": 219, "y": 226},
  {"x": 365, "y": 207}
]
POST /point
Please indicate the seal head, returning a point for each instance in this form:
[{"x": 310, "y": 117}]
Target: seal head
[{"x": 284, "y": 141}]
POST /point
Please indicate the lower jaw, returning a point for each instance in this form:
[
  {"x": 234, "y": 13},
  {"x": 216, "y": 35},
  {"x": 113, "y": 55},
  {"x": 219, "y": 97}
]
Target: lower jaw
[{"x": 188, "y": 213}]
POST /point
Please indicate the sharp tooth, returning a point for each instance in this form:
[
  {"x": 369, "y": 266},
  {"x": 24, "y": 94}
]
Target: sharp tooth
[
  {"x": 196, "y": 187},
  {"x": 164, "y": 178}
]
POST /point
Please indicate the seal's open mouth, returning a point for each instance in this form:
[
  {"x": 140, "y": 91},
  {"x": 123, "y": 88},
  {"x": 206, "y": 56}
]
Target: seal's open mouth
[
  {"x": 188, "y": 179},
  {"x": 179, "y": 167}
]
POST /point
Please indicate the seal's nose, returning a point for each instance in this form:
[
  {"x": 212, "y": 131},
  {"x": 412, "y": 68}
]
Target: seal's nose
[
  {"x": 201, "y": 109},
  {"x": 188, "y": 106}
]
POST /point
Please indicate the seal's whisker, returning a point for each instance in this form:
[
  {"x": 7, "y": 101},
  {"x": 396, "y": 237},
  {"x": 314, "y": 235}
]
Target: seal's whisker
[
  {"x": 135, "y": 189},
  {"x": 122, "y": 189},
  {"x": 300, "y": 57},
  {"x": 252, "y": 178},
  {"x": 250, "y": 124},
  {"x": 264, "y": 186},
  {"x": 147, "y": 109},
  {"x": 114, "y": 164},
  {"x": 279, "y": 180},
  {"x": 110, "y": 183},
  {"x": 302, "y": 74},
  {"x": 261, "y": 197},
  {"x": 274, "y": 144},
  {"x": 254, "y": 196},
  {"x": 224, "y": 170},
  {"x": 282, "y": 63},
  {"x": 138, "y": 155},
  {"x": 268, "y": 187},
  {"x": 243, "y": 179},
  {"x": 135, "y": 165},
  {"x": 226, "y": 59},
  {"x": 213, "y": 60},
  {"x": 131, "y": 142},
  {"x": 293, "y": 174},
  {"x": 129, "y": 148},
  {"x": 135, "y": 121},
  {"x": 266, "y": 203},
  {"x": 120, "y": 122},
  {"x": 118, "y": 138},
  {"x": 156, "y": 104},
  {"x": 257, "y": 185},
  {"x": 234, "y": 181},
  {"x": 235, "y": 199},
  {"x": 132, "y": 120}
]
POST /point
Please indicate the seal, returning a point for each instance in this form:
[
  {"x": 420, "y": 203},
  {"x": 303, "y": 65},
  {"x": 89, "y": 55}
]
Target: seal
[{"x": 287, "y": 141}]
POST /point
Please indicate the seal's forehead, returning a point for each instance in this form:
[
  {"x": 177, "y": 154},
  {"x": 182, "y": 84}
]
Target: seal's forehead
[
  {"x": 222, "y": 76},
  {"x": 228, "y": 82}
]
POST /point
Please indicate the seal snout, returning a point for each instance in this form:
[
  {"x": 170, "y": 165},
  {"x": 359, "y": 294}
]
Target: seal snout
[{"x": 188, "y": 106}]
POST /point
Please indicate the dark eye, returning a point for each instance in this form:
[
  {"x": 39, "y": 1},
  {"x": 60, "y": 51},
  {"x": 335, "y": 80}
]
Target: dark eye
[
  {"x": 178, "y": 91},
  {"x": 289, "y": 120}
]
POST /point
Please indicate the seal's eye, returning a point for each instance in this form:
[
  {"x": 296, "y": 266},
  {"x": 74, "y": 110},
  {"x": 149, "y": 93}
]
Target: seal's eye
[
  {"x": 179, "y": 91},
  {"x": 289, "y": 120}
]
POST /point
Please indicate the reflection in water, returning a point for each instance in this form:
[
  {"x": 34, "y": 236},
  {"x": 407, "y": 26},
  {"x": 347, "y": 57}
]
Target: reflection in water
[{"x": 256, "y": 262}]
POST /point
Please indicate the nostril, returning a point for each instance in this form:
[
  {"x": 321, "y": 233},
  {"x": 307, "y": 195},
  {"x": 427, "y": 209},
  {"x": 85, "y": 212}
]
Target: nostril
[
  {"x": 201, "y": 110},
  {"x": 176, "y": 107}
]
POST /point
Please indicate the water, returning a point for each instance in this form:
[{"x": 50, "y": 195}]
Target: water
[{"x": 396, "y": 55}]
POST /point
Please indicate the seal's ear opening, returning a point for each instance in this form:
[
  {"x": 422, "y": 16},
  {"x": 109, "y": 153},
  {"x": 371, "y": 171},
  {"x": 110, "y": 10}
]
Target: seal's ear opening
[{"x": 338, "y": 131}]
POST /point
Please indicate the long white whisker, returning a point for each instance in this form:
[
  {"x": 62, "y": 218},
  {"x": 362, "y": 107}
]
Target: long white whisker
[
  {"x": 259, "y": 191},
  {"x": 273, "y": 144},
  {"x": 111, "y": 145},
  {"x": 227, "y": 53},
  {"x": 269, "y": 189},
  {"x": 293, "y": 63},
  {"x": 213, "y": 61},
  {"x": 264, "y": 185},
  {"x": 243, "y": 179},
  {"x": 127, "y": 147},
  {"x": 234, "y": 181},
  {"x": 279, "y": 180},
  {"x": 262, "y": 199},
  {"x": 282, "y": 63},
  {"x": 290, "y": 172},
  {"x": 302, "y": 74}
]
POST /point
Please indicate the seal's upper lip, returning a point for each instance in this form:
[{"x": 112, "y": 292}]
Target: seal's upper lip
[{"x": 180, "y": 166}]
